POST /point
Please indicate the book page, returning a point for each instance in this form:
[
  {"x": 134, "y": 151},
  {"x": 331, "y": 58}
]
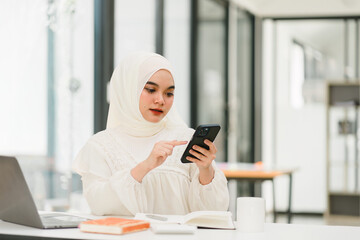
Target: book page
[
  {"x": 210, "y": 214},
  {"x": 159, "y": 218},
  {"x": 211, "y": 219}
]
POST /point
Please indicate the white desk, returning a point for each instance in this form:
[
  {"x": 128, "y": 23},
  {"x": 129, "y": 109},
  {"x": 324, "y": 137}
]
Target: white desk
[{"x": 275, "y": 231}]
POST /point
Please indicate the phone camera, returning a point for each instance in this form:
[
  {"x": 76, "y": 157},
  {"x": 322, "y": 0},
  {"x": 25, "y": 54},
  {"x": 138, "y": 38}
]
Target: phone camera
[{"x": 203, "y": 132}]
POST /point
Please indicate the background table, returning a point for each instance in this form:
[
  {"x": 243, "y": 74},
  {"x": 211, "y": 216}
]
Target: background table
[{"x": 258, "y": 173}]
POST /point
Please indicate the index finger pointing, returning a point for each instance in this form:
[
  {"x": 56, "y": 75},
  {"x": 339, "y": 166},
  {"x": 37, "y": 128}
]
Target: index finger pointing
[{"x": 177, "y": 143}]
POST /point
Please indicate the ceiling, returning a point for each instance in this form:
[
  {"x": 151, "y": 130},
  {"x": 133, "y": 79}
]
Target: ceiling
[{"x": 301, "y": 8}]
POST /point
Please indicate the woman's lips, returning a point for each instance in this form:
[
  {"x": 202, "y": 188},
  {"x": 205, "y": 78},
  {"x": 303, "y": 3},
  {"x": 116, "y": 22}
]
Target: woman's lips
[{"x": 156, "y": 111}]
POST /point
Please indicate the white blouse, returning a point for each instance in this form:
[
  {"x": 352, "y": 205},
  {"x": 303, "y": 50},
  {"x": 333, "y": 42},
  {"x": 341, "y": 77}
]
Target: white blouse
[{"x": 105, "y": 163}]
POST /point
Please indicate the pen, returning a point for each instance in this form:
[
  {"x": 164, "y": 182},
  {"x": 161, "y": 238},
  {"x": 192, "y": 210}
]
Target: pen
[{"x": 160, "y": 218}]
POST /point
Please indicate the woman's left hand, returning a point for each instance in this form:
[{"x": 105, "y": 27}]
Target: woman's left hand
[{"x": 203, "y": 157}]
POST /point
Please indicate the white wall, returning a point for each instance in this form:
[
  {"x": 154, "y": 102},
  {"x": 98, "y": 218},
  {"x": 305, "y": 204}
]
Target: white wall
[
  {"x": 23, "y": 77},
  {"x": 296, "y": 137},
  {"x": 134, "y": 27},
  {"x": 286, "y": 8}
]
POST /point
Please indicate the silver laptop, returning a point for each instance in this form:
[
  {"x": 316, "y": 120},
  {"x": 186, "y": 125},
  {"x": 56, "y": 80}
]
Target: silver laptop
[{"x": 17, "y": 204}]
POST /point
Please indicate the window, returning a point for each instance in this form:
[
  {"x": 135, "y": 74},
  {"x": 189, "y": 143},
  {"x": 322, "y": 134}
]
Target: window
[{"x": 46, "y": 89}]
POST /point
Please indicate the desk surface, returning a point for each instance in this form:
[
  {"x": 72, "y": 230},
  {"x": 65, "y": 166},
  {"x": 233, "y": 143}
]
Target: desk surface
[
  {"x": 275, "y": 231},
  {"x": 252, "y": 171}
]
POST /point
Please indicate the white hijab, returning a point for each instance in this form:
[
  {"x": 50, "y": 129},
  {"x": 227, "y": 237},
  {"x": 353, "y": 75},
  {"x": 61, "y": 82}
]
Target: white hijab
[{"x": 126, "y": 85}]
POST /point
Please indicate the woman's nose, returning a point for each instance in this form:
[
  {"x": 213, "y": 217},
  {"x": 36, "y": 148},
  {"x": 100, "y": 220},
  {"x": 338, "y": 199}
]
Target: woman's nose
[{"x": 159, "y": 99}]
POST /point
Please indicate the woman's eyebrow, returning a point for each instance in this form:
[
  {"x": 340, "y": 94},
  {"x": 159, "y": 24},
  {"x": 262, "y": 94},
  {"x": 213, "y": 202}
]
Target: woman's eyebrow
[
  {"x": 152, "y": 83},
  {"x": 157, "y": 85}
]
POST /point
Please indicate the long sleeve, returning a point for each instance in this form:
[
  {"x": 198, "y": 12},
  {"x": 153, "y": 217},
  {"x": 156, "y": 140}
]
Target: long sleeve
[
  {"x": 108, "y": 192},
  {"x": 213, "y": 196}
]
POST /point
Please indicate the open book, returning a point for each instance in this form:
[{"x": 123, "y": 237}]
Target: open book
[{"x": 204, "y": 219}]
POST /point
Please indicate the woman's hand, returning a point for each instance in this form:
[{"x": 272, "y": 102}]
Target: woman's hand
[
  {"x": 161, "y": 151},
  {"x": 203, "y": 160},
  {"x": 203, "y": 157},
  {"x": 157, "y": 157}
]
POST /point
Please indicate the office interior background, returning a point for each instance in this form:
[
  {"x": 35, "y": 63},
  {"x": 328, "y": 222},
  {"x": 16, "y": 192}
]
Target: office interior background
[{"x": 261, "y": 69}]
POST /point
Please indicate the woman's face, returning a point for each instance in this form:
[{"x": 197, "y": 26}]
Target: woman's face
[{"x": 157, "y": 96}]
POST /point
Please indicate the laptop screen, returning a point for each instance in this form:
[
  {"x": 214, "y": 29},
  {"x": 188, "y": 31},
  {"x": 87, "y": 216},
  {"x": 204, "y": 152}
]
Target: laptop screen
[{"x": 16, "y": 202}]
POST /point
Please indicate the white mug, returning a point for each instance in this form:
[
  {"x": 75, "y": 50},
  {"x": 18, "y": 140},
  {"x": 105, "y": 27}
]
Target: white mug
[{"x": 250, "y": 214}]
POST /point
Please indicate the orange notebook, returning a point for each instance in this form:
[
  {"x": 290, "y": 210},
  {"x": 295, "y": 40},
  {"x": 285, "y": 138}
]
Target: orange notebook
[{"x": 114, "y": 225}]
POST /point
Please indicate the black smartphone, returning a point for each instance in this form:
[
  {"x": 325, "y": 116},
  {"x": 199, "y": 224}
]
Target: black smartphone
[{"x": 202, "y": 132}]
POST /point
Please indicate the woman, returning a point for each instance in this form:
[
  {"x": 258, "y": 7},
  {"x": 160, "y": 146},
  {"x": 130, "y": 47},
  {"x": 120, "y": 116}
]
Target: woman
[{"x": 134, "y": 165}]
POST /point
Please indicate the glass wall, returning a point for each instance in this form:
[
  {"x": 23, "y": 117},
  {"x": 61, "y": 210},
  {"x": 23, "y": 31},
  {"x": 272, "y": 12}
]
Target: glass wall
[
  {"x": 46, "y": 90},
  {"x": 245, "y": 87},
  {"x": 70, "y": 92},
  {"x": 225, "y": 88},
  {"x": 176, "y": 49},
  {"x": 212, "y": 69},
  {"x": 23, "y": 77}
]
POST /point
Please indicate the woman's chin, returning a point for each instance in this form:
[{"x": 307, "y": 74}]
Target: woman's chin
[{"x": 154, "y": 119}]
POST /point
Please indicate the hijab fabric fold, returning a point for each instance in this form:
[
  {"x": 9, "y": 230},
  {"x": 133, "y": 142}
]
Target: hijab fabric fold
[{"x": 126, "y": 85}]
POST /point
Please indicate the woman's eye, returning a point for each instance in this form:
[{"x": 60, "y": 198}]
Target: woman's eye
[
  {"x": 150, "y": 90},
  {"x": 170, "y": 94}
]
